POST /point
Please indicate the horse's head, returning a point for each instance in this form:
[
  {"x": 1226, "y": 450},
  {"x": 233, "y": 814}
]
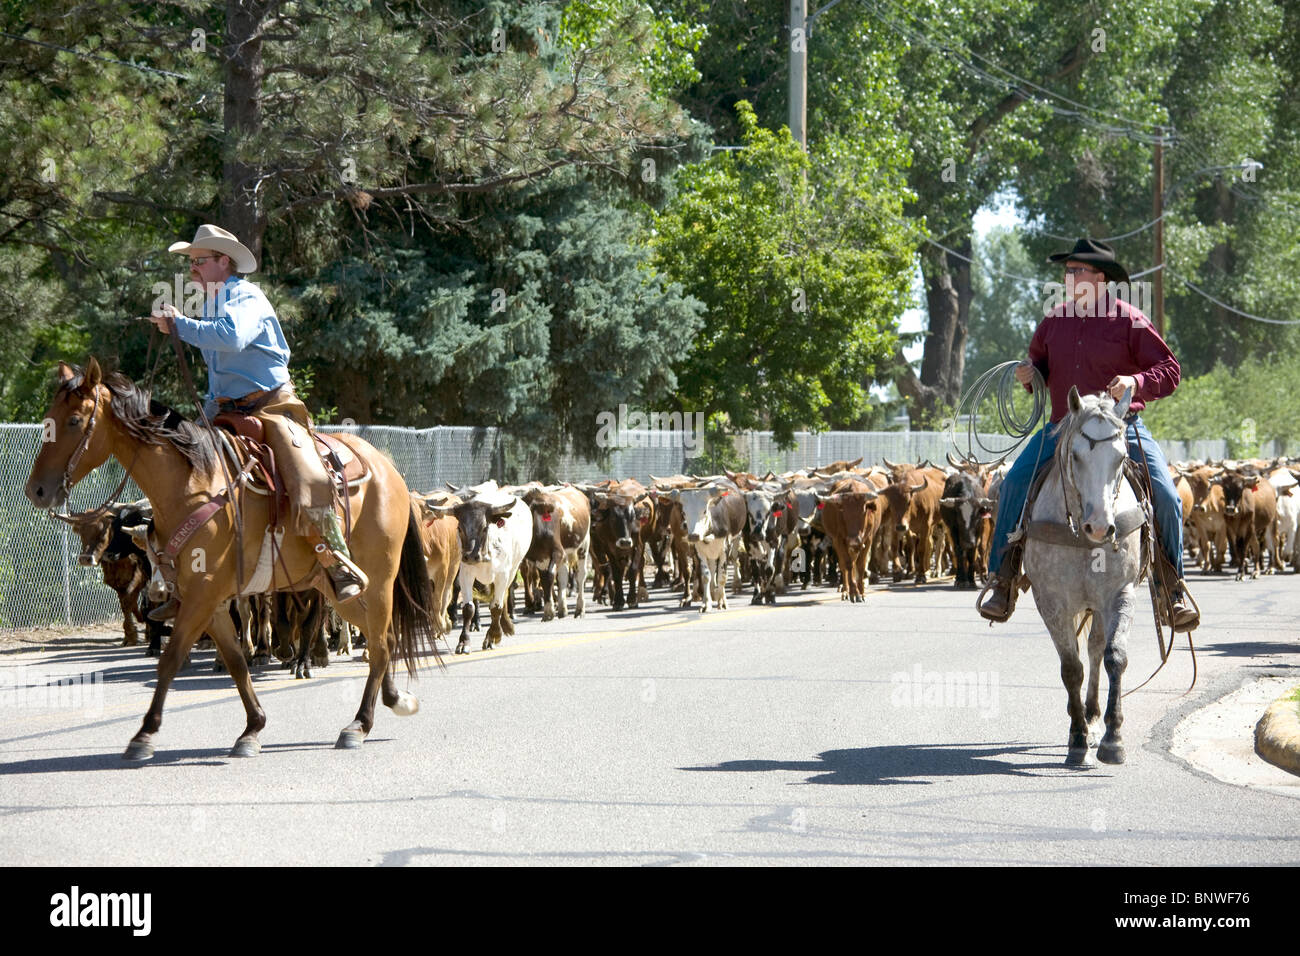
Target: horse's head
[
  {"x": 1090, "y": 457},
  {"x": 73, "y": 441}
]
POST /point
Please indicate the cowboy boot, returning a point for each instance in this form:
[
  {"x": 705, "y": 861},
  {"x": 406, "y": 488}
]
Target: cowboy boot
[
  {"x": 332, "y": 555},
  {"x": 1186, "y": 617},
  {"x": 165, "y": 611},
  {"x": 998, "y": 605}
]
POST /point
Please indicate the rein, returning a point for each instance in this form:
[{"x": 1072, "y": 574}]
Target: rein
[{"x": 231, "y": 489}]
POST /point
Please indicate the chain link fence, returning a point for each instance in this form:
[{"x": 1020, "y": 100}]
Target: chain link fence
[{"x": 41, "y": 582}]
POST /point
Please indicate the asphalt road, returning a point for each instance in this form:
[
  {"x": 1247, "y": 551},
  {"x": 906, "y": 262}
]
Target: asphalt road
[{"x": 899, "y": 731}]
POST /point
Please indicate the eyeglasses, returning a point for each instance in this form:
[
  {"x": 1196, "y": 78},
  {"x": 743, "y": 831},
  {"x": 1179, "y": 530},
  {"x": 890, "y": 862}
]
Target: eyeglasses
[
  {"x": 1078, "y": 270},
  {"x": 202, "y": 259}
]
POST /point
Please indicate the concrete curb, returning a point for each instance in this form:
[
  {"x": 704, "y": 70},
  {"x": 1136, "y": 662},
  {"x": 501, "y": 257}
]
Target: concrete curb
[{"x": 1277, "y": 735}]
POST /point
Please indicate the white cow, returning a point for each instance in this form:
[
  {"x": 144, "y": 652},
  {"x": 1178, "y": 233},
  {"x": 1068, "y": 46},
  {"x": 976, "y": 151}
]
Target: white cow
[{"x": 495, "y": 532}]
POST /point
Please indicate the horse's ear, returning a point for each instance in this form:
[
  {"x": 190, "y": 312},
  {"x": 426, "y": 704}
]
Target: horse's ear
[
  {"x": 66, "y": 373},
  {"x": 1076, "y": 403},
  {"x": 1121, "y": 406},
  {"x": 93, "y": 375}
]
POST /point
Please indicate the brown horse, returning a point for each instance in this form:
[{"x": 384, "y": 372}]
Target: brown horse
[{"x": 175, "y": 463}]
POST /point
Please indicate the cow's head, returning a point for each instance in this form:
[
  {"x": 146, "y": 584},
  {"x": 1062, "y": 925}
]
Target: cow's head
[{"x": 473, "y": 520}]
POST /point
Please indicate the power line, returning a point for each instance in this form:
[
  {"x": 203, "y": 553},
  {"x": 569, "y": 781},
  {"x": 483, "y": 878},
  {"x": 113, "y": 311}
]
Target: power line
[
  {"x": 1020, "y": 84},
  {"x": 1223, "y": 305},
  {"x": 91, "y": 56}
]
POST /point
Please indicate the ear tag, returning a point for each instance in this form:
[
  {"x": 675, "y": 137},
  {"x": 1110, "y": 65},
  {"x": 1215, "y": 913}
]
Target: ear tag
[
  {"x": 821, "y": 505},
  {"x": 546, "y": 517},
  {"x": 501, "y": 522}
]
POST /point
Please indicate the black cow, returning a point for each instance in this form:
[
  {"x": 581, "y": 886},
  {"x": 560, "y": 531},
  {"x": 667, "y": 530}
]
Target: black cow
[{"x": 964, "y": 509}]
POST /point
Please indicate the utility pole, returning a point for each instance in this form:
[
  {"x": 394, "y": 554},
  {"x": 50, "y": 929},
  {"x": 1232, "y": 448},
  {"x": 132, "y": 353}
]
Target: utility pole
[
  {"x": 1158, "y": 211},
  {"x": 799, "y": 72}
]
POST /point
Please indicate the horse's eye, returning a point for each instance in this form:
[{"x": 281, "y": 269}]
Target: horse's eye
[{"x": 74, "y": 420}]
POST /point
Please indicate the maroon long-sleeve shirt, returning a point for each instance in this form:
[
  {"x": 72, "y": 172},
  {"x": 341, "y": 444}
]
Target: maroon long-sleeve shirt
[{"x": 1089, "y": 351}]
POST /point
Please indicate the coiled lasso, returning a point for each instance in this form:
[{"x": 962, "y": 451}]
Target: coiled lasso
[{"x": 999, "y": 385}]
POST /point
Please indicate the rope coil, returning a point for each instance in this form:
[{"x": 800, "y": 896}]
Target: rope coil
[{"x": 998, "y": 383}]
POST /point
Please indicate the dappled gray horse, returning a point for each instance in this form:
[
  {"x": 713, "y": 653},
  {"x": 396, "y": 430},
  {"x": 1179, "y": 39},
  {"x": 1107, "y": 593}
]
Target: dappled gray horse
[{"x": 1084, "y": 553}]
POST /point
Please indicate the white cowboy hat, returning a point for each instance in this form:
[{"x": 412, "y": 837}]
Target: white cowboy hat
[{"x": 218, "y": 240}]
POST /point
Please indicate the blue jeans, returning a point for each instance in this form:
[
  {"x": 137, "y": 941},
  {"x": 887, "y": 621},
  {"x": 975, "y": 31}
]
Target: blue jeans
[{"x": 1042, "y": 446}]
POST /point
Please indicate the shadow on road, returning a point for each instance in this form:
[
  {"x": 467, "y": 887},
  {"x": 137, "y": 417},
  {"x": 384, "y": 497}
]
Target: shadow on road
[
  {"x": 205, "y": 757},
  {"x": 908, "y": 764}
]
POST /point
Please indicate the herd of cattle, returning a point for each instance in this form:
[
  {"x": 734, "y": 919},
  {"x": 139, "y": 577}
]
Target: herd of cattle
[{"x": 840, "y": 524}]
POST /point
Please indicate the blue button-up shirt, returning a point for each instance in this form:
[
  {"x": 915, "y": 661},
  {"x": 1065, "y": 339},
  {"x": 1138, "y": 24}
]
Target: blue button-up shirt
[{"x": 241, "y": 341}]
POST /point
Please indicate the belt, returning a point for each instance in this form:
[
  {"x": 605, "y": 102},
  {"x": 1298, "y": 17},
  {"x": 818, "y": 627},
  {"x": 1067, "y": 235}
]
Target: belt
[{"x": 252, "y": 398}]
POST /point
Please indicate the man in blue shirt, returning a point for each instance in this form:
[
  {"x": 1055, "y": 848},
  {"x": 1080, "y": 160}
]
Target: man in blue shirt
[{"x": 248, "y": 371}]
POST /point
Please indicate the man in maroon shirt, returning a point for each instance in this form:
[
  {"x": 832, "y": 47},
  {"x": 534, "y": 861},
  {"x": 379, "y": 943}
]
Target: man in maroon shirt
[{"x": 1096, "y": 342}]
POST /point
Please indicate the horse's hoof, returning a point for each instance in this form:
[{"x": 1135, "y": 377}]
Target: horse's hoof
[
  {"x": 406, "y": 705},
  {"x": 246, "y": 747},
  {"x": 1111, "y": 753},
  {"x": 1076, "y": 757},
  {"x": 350, "y": 740},
  {"x": 138, "y": 750}
]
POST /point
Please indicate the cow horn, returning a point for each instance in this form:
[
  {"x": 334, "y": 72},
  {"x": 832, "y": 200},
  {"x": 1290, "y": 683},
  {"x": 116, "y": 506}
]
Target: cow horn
[
  {"x": 915, "y": 488},
  {"x": 951, "y": 460},
  {"x": 949, "y": 502},
  {"x": 74, "y": 520},
  {"x": 888, "y": 464}
]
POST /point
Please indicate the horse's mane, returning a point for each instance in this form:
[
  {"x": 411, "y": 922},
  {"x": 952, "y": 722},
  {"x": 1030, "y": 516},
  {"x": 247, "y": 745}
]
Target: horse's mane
[{"x": 152, "y": 422}]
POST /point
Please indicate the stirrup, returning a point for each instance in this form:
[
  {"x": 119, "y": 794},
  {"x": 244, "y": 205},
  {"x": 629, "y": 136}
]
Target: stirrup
[
  {"x": 349, "y": 581},
  {"x": 994, "y": 583},
  {"x": 165, "y": 611}
]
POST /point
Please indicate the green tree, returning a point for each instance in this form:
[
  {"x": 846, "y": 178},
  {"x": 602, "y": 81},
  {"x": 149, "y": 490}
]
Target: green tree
[
  {"x": 1004, "y": 311},
  {"x": 802, "y": 284}
]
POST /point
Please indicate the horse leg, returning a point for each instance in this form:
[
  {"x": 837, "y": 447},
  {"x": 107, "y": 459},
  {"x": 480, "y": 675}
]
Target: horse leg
[
  {"x": 222, "y": 630},
  {"x": 1062, "y": 627},
  {"x": 1092, "y": 713},
  {"x": 374, "y": 621},
  {"x": 1111, "y": 748},
  {"x": 190, "y": 621}
]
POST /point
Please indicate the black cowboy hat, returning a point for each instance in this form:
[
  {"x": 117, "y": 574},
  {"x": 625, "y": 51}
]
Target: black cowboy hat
[{"x": 1097, "y": 254}]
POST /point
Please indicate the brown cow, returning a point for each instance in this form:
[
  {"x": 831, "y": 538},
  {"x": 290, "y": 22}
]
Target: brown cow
[
  {"x": 561, "y": 541},
  {"x": 619, "y": 512},
  {"x": 1207, "y": 518},
  {"x": 441, "y": 542},
  {"x": 104, "y": 542},
  {"x": 851, "y": 516},
  {"x": 1250, "y": 509}
]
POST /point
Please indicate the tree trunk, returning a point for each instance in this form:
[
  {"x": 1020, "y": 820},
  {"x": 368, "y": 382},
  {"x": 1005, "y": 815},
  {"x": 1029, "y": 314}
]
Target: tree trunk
[
  {"x": 948, "y": 296},
  {"x": 241, "y": 211}
]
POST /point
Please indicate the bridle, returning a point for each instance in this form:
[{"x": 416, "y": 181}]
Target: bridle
[
  {"x": 1065, "y": 464},
  {"x": 65, "y": 483}
]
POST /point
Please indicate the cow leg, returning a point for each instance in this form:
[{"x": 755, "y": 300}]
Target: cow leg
[
  {"x": 581, "y": 578},
  {"x": 562, "y": 572},
  {"x": 467, "y": 610},
  {"x": 130, "y": 636},
  {"x": 706, "y": 583},
  {"x": 547, "y": 576},
  {"x": 493, "y": 636}
]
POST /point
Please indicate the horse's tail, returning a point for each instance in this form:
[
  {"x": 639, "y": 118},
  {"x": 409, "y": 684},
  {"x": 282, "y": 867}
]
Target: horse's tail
[{"x": 413, "y": 622}]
